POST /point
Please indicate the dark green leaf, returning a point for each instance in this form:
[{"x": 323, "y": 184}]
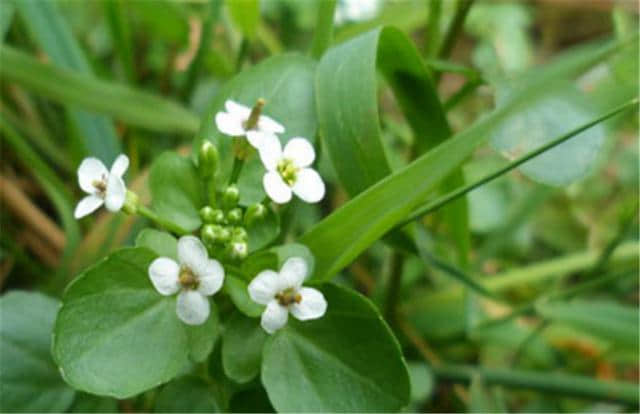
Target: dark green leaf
[
  {"x": 186, "y": 395},
  {"x": 242, "y": 344},
  {"x": 29, "y": 380},
  {"x": 116, "y": 335},
  {"x": 176, "y": 190},
  {"x": 87, "y": 403},
  {"x": 348, "y": 360}
]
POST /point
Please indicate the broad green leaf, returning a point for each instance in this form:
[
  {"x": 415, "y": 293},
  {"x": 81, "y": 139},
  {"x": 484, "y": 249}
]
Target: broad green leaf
[
  {"x": 552, "y": 114},
  {"x": 242, "y": 344},
  {"x": 286, "y": 84},
  {"x": 134, "y": 107},
  {"x": 348, "y": 360},
  {"x": 245, "y": 14},
  {"x": 29, "y": 380},
  {"x": 342, "y": 236},
  {"x": 422, "y": 382},
  {"x": 159, "y": 242},
  {"x": 236, "y": 288},
  {"x": 176, "y": 190},
  {"x": 53, "y": 34},
  {"x": 188, "y": 394},
  {"x": 615, "y": 323},
  {"x": 116, "y": 335}
]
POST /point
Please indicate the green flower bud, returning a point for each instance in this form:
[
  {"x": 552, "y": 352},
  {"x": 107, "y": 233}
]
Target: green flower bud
[
  {"x": 218, "y": 216},
  {"x": 238, "y": 250},
  {"x": 254, "y": 213},
  {"x": 224, "y": 234},
  {"x": 234, "y": 216},
  {"x": 239, "y": 234},
  {"x": 207, "y": 214},
  {"x": 131, "y": 203},
  {"x": 230, "y": 197},
  {"x": 208, "y": 160},
  {"x": 209, "y": 234}
]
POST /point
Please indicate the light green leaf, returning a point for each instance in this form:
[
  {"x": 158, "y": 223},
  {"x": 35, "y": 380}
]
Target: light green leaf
[
  {"x": 242, "y": 344},
  {"x": 160, "y": 242},
  {"x": 116, "y": 335},
  {"x": 236, "y": 288},
  {"x": 186, "y": 395},
  {"x": 554, "y": 113},
  {"x": 348, "y": 360},
  {"x": 53, "y": 34},
  {"x": 612, "y": 322},
  {"x": 245, "y": 14},
  {"x": 134, "y": 107},
  {"x": 286, "y": 84},
  {"x": 176, "y": 190},
  {"x": 29, "y": 380}
]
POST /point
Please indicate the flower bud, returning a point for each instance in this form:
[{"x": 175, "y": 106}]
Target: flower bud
[
  {"x": 206, "y": 214},
  {"x": 234, "y": 216},
  {"x": 230, "y": 197},
  {"x": 218, "y": 216},
  {"x": 254, "y": 213},
  {"x": 239, "y": 234},
  {"x": 238, "y": 250},
  {"x": 131, "y": 202},
  {"x": 208, "y": 159},
  {"x": 209, "y": 234}
]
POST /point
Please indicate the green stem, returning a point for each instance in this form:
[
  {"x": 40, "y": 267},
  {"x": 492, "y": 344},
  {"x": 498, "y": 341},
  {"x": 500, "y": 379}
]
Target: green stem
[
  {"x": 432, "y": 39},
  {"x": 468, "y": 88},
  {"x": 235, "y": 171},
  {"x": 447, "y": 198},
  {"x": 242, "y": 54},
  {"x": 159, "y": 221},
  {"x": 324, "y": 28},
  {"x": 453, "y": 31},
  {"x": 393, "y": 290},
  {"x": 121, "y": 36},
  {"x": 555, "y": 383}
]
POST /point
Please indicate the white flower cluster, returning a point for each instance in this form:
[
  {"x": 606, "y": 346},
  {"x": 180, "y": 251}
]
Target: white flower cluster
[{"x": 288, "y": 169}]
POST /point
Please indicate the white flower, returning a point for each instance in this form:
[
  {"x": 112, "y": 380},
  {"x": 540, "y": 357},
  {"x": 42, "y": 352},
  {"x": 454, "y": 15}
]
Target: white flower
[
  {"x": 356, "y": 10},
  {"x": 195, "y": 277},
  {"x": 283, "y": 293},
  {"x": 234, "y": 123},
  {"x": 287, "y": 172},
  {"x": 104, "y": 187}
]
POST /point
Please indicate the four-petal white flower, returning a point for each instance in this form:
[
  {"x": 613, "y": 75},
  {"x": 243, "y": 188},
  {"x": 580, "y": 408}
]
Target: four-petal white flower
[
  {"x": 195, "y": 276},
  {"x": 288, "y": 171},
  {"x": 234, "y": 123},
  {"x": 283, "y": 293},
  {"x": 103, "y": 186}
]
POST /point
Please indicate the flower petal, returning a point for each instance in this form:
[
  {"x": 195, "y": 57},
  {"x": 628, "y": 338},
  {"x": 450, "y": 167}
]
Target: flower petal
[
  {"x": 116, "y": 193},
  {"x": 164, "y": 274},
  {"x": 293, "y": 273},
  {"x": 210, "y": 278},
  {"x": 263, "y": 287},
  {"x": 229, "y": 124},
  {"x": 238, "y": 110},
  {"x": 312, "y": 306},
  {"x": 193, "y": 254},
  {"x": 268, "y": 124},
  {"x": 120, "y": 165},
  {"x": 91, "y": 170},
  {"x": 309, "y": 186},
  {"x": 260, "y": 140},
  {"x": 270, "y": 152},
  {"x": 300, "y": 151},
  {"x": 276, "y": 188},
  {"x": 87, "y": 205},
  {"x": 192, "y": 307},
  {"x": 274, "y": 317}
]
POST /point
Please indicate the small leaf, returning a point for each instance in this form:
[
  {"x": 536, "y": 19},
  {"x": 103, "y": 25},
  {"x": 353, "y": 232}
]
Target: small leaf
[
  {"x": 29, "y": 380},
  {"x": 160, "y": 242},
  {"x": 176, "y": 190},
  {"x": 286, "y": 84},
  {"x": 116, "y": 335},
  {"x": 348, "y": 360},
  {"x": 186, "y": 395},
  {"x": 242, "y": 344}
]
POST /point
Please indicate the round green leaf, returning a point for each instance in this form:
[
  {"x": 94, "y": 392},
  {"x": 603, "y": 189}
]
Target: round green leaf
[
  {"x": 242, "y": 344},
  {"x": 176, "y": 190},
  {"x": 346, "y": 361},
  {"x": 236, "y": 288},
  {"x": 116, "y": 335},
  {"x": 286, "y": 84},
  {"x": 29, "y": 380},
  {"x": 160, "y": 242}
]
